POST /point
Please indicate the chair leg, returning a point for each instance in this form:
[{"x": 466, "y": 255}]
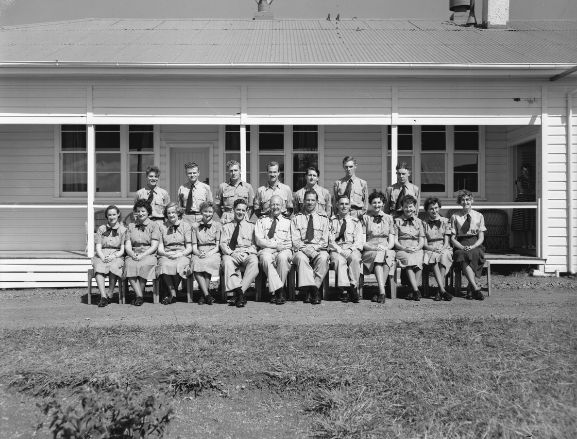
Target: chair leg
[
  {"x": 425, "y": 281},
  {"x": 189, "y": 288},
  {"x": 221, "y": 286},
  {"x": 90, "y": 275},
  {"x": 325, "y": 287},
  {"x": 458, "y": 281},
  {"x": 361, "y": 284},
  {"x": 291, "y": 281},
  {"x": 259, "y": 285},
  {"x": 121, "y": 292},
  {"x": 393, "y": 286},
  {"x": 156, "y": 291},
  {"x": 488, "y": 278}
]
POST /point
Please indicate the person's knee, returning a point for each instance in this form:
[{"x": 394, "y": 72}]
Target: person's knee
[
  {"x": 265, "y": 259},
  {"x": 299, "y": 258},
  {"x": 355, "y": 257}
]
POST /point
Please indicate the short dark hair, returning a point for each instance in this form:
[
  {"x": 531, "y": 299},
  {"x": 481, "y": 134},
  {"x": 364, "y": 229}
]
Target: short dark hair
[
  {"x": 403, "y": 165},
  {"x": 154, "y": 169},
  {"x": 232, "y": 163},
  {"x": 239, "y": 201},
  {"x": 179, "y": 210},
  {"x": 112, "y": 207},
  {"x": 377, "y": 194},
  {"x": 313, "y": 168},
  {"x": 349, "y": 158},
  {"x": 430, "y": 201},
  {"x": 408, "y": 199},
  {"x": 464, "y": 193},
  {"x": 343, "y": 196},
  {"x": 190, "y": 165},
  {"x": 206, "y": 205},
  {"x": 310, "y": 191},
  {"x": 271, "y": 164},
  {"x": 142, "y": 203}
]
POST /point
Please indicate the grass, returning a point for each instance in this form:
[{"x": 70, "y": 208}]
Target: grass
[{"x": 450, "y": 378}]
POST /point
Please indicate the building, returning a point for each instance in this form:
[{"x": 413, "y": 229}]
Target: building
[{"x": 86, "y": 105}]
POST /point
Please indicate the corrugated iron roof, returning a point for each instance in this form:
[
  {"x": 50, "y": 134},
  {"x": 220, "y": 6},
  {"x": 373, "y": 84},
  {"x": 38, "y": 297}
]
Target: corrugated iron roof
[{"x": 245, "y": 42}]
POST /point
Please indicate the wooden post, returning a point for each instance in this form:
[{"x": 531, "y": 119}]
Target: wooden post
[
  {"x": 394, "y": 151},
  {"x": 90, "y": 188},
  {"x": 243, "y": 152}
]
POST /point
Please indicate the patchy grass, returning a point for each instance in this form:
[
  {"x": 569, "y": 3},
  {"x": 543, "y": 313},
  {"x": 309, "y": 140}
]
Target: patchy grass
[{"x": 436, "y": 379}]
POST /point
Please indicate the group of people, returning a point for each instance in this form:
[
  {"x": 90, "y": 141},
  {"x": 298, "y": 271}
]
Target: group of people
[{"x": 200, "y": 235}]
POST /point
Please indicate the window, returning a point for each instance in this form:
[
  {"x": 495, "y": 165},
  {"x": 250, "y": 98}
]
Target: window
[
  {"x": 466, "y": 160},
  {"x": 122, "y": 154},
  {"x": 140, "y": 154},
  {"x": 433, "y": 159},
  {"x": 271, "y": 148},
  {"x": 232, "y": 147},
  {"x": 305, "y": 152},
  {"x": 73, "y": 159}
]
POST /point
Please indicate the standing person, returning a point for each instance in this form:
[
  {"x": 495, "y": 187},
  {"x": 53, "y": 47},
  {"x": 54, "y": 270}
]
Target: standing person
[
  {"x": 273, "y": 236},
  {"x": 310, "y": 236},
  {"x": 108, "y": 259},
  {"x": 140, "y": 244},
  {"x": 239, "y": 251},
  {"x": 378, "y": 254},
  {"x": 193, "y": 193},
  {"x": 409, "y": 241},
  {"x": 157, "y": 197},
  {"x": 394, "y": 194},
  {"x": 346, "y": 243},
  {"x": 438, "y": 252},
  {"x": 205, "y": 251},
  {"x": 174, "y": 249},
  {"x": 324, "y": 204},
  {"x": 273, "y": 187},
  {"x": 523, "y": 220},
  {"x": 468, "y": 251},
  {"x": 230, "y": 191},
  {"x": 353, "y": 187}
]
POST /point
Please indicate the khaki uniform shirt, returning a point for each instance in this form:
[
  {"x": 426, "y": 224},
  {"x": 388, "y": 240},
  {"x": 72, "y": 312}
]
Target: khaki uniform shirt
[
  {"x": 359, "y": 193},
  {"x": 227, "y": 194},
  {"x": 353, "y": 237},
  {"x": 323, "y": 201},
  {"x": 160, "y": 200},
  {"x": 200, "y": 193},
  {"x": 392, "y": 194},
  {"x": 266, "y": 192},
  {"x": 282, "y": 235},
  {"x": 245, "y": 241},
  {"x": 321, "y": 232}
]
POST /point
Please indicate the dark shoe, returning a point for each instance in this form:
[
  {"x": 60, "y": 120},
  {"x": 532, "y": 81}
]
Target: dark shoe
[
  {"x": 138, "y": 301},
  {"x": 409, "y": 296},
  {"x": 315, "y": 296},
  {"x": 344, "y": 296},
  {"x": 169, "y": 300},
  {"x": 437, "y": 297},
  {"x": 280, "y": 296},
  {"x": 273, "y": 298},
  {"x": 381, "y": 298},
  {"x": 103, "y": 302},
  {"x": 354, "y": 294},
  {"x": 307, "y": 295},
  {"x": 375, "y": 298},
  {"x": 478, "y": 295},
  {"x": 417, "y": 296},
  {"x": 201, "y": 300},
  {"x": 208, "y": 299},
  {"x": 447, "y": 297},
  {"x": 469, "y": 295},
  {"x": 240, "y": 300}
]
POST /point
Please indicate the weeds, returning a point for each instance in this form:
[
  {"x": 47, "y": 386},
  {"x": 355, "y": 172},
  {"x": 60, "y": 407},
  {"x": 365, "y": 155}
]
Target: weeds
[{"x": 119, "y": 413}]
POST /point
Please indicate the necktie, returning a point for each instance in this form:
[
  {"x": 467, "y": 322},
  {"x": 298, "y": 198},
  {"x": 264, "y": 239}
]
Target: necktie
[
  {"x": 141, "y": 227},
  {"x": 203, "y": 226},
  {"x": 341, "y": 236},
  {"x": 234, "y": 238},
  {"x": 110, "y": 231},
  {"x": 349, "y": 188},
  {"x": 435, "y": 223},
  {"x": 409, "y": 221},
  {"x": 310, "y": 235},
  {"x": 466, "y": 225},
  {"x": 399, "y": 202},
  {"x": 150, "y": 196},
  {"x": 377, "y": 219},
  {"x": 189, "y": 200},
  {"x": 272, "y": 229},
  {"x": 172, "y": 229}
]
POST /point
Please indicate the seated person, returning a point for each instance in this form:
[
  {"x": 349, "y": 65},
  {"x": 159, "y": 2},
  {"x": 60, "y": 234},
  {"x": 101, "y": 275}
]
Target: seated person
[
  {"x": 140, "y": 244},
  {"x": 239, "y": 251},
  {"x": 378, "y": 254},
  {"x": 310, "y": 237},
  {"x": 205, "y": 261},
  {"x": 272, "y": 234},
  {"x": 469, "y": 233},
  {"x": 108, "y": 259},
  {"x": 438, "y": 251},
  {"x": 394, "y": 194},
  {"x": 174, "y": 249},
  {"x": 345, "y": 244},
  {"x": 409, "y": 241}
]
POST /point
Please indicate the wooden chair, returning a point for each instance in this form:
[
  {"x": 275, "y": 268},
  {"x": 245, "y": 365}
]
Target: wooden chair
[
  {"x": 391, "y": 280},
  {"x": 261, "y": 284},
  {"x": 155, "y": 289},
  {"x": 427, "y": 271},
  {"x": 121, "y": 288},
  {"x": 257, "y": 285}
]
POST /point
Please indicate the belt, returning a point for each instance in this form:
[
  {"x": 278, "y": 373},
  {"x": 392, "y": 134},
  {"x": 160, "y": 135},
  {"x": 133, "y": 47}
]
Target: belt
[
  {"x": 414, "y": 238},
  {"x": 157, "y": 218},
  {"x": 356, "y": 208},
  {"x": 436, "y": 239},
  {"x": 192, "y": 213},
  {"x": 204, "y": 245}
]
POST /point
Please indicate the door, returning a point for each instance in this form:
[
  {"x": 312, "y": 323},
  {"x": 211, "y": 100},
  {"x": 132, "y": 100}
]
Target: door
[{"x": 181, "y": 155}]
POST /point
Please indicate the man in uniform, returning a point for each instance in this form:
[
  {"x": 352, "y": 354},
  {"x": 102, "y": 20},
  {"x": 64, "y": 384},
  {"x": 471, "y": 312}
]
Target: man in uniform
[
  {"x": 310, "y": 231},
  {"x": 239, "y": 251},
  {"x": 324, "y": 197},
  {"x": 273, "y": 236},
  {"x": 353, "y": 187},
  {"x": 193, "y": 193},
  {"x": 273, "y": 187},
  {"x": 230, "y": 191},
  {"x": 157, "y": 197},
  {"x": 346, "y": 244},
  {"x": 394, "y": 194}
]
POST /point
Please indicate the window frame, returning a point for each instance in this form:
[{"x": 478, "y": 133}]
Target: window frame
[{"x": 124, "y": 194}]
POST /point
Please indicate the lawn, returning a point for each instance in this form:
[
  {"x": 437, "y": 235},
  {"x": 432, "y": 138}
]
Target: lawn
[{"x": 442, "y": 378}]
